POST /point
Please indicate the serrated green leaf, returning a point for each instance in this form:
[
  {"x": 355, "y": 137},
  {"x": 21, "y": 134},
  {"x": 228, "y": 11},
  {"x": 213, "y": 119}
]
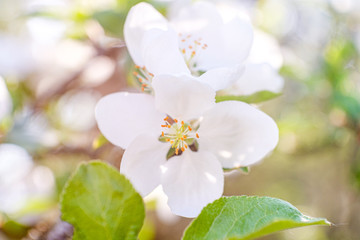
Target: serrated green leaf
[
  {"x": 101, "y": 204},
  {"x": 254, "y": 98},
  {"x": 244, "y": 218}
]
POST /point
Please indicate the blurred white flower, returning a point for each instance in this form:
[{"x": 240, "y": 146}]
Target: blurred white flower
[
  {"x": 5, "y": 100},
  {"x": 76, "y": 111},
  {"x": 197, "y": 40},
  {"x": 229, "y": 134},
  {"x": 162, "y": 209},
  {"x": 15, "y": 58},
  {"x": 20, "y": 181}
]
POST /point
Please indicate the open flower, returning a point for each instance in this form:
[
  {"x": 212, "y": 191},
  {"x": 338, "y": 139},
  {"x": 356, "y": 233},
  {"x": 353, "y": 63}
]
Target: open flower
[
  {"x": 184, "y": 119},
  {"x": 198, "y": 40}
]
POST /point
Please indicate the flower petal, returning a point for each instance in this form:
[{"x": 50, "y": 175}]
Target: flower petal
[
  {"x": 191, "y": 181},
  {"x": 182, "y": 96},
  {"x": 265, "y": 49},
  {"x": 162, "y": 53},
  {"x": 140, "y": 19},
  {"x": 237, "y": 133},
  {"x": 142, "y": 161},
  {"x": 5, "y": 100},
  {"x": 123, "y": 116},
  {"x": 228, "y": 42},
  {"x": 220, "y": 78},
  {"x": 15, "y": 164},
  {"x": 258, "y": 77}
]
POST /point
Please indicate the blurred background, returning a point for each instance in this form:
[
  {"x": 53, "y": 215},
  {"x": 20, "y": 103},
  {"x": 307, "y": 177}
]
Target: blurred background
[{"x": 59, "y": 57}]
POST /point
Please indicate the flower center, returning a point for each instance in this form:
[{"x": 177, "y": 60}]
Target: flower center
[
  {"x": 191, "y": 48},
  {"x": 178, "y": 133},
  {"x": 144, "y": 78}
]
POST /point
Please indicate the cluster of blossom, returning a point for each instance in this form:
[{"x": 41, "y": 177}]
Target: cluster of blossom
[
  {"x": 20, "y": 180},
  {"x": 174, "y": 133}
]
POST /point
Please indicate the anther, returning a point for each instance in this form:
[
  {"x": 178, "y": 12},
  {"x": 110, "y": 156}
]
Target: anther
[
  {"x": 135, "y": 73},
  {"x": 190, "y": 129},
  {"x": 175, "y": 120},
  {"x": 183, "y": 51},
  {"x": 182, "y": 149},
  {"x": 166, "y": 118},
  {"x": 137, "y": 66},
  {"x": 182, "y": 122},
  {"x": 162, "y": 134},
  {"x": 197, "y": 135},
  {"x": 176, "y": 151},
  {"x": 193, "y": 53}
]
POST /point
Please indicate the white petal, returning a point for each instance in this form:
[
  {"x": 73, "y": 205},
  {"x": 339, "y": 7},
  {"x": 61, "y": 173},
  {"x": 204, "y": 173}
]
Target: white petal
[
  {"x": 5, "y": 100},
  {"x": 234, "y": 40},
  {"x": 220, "y": 78},
  {"x": 265, "y": 49},
  {"x": 162, "y": 53},
  {"x": 191, "y": 181},
  {"x": 123, "y": 116},
  {"x": 238, "y": 38},
  {"x": 182, "y": 96},
  {"x": 142, "y": 161},
  {"x": 15, "y": 163},
  {"x": 141, "y": 18},
  {"x": 237, "y": 133},
  {"x": 228, "y": 43},
  {"x": 258, "y": 77}
]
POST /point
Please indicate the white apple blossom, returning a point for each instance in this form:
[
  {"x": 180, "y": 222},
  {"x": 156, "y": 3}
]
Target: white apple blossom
[
  {"x": 205, "y": 137},
  {"x": 20, "y": 180},
  {"x": 197, "y": 40}
]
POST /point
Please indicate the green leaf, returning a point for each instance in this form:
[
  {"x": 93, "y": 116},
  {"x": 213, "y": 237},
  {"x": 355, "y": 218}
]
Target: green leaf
[
  {"x": 254, "y": 98},
  {"x": 101, "y": 204},
  {"x": 112, "y": 21},
  {"x": 245, "y": 169},
  {"x": 243, "y": 217}
]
